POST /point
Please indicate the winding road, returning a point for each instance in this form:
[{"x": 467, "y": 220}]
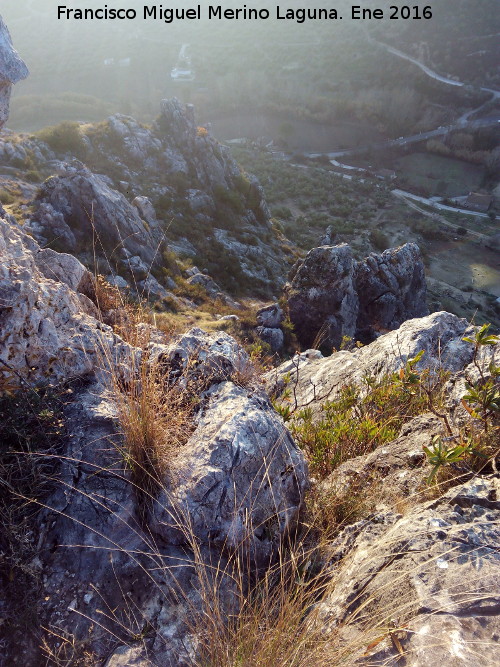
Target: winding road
[{"x": 460, "y": 123}]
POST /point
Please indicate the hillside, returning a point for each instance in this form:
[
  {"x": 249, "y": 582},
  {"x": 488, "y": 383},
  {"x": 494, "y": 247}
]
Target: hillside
[{"x": 237, "y": 428}]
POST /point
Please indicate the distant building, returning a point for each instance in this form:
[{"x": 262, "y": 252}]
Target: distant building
[{"x": 478, "y": 202}]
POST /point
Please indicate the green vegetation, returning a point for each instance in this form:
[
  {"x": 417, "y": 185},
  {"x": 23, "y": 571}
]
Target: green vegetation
[
  {"x": 361, "y": 418},
  {"x": 64, "y": 138}
]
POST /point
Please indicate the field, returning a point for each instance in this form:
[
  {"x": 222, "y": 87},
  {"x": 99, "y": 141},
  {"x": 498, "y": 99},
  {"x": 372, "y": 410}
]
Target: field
[{"x": 434, "y": 175}]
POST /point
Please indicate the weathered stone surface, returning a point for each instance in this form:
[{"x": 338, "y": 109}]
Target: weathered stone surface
[
  {"x": 241, "y": 479},
  {"x": 396, "y": 470},
  {"x": 331, "y": 296},
  {"x": 95, "y": 214},
  {"x": 391, "y": 289},
  {"x": 439, "y": 335},
  {"x": 270, "y": 316},
  {"x": 206, "y": 282},
  {"x": 12, "y": 70},
  {"x": 46, "y": 333},
  {"x": 238, "y": 483},
  {"x": 273, "y": 337},
  {"x": 434, "y": 571},
  {"x": 212, "y": 357},
  {"x": 322, "y": 301}
]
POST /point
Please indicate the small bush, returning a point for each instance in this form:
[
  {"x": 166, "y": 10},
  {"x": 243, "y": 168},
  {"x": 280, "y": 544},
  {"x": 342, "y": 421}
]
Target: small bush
[{"x": 64, "y": 138}]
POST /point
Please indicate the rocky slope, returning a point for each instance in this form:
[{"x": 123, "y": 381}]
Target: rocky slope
[
  {"x": 173, "y": 484},
  {"x": 145, "y": 191}
]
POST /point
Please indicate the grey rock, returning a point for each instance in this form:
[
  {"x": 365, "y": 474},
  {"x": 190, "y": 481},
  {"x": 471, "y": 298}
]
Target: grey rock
[
  {"x": 96, "y": 214},
  {"x": 12, "y": 70},
  {"x": 150, "y": 288},
  {"x": 331, "y": 296},
  {"x": 322, "y": 300},
  {"x": 391, "y": 289},
  {"x": 118, "y": 281},
  {"x": 434, "y": 570},
  {"x": 200, "y": 201},
  {"x": 146, "y": 211},
  {"x": 270, "y": 316},
  {"x": 65, "y": 269},
  {"x": 240, "y": 443},
  {"x": 397, "y": 469},
  {"x": 439, "y": 335},
  {"x": 46, "y": 331},
  {"x": 213, "y": 358},
  {"x": 206, "y": 282},
  {"x": 273, "y": 337}
]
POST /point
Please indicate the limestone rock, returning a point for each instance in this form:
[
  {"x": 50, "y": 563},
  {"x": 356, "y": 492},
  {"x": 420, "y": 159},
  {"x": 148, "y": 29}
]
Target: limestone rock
[
  {"x": 212, "y": 357},
  {"x": 95, "y": 214},
  {"x": 434, "y": 571},
  {"x": 270, "y": 316},
  {"x": 391, "y": 289},
  {"x": 46, "y": 333},
  {"x": 240, "y": 480},
  {"x": 397, "y": 469},
  {"x": 273, "y": 337},
  {"x": 12, "y": 70},
  {"x": 322, "y": 300},
  {"x": 331, "y": 296},
  {"x": 439, "y": 335}
]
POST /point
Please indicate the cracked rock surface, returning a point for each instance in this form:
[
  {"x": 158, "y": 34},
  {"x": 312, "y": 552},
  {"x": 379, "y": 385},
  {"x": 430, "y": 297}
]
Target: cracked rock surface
[
  {"x": 433, "y": 571},
  {"x": 330, "y": 295}
]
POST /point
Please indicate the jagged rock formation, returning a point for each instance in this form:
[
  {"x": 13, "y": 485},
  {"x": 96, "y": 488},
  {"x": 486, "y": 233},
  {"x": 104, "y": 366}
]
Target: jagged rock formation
[
  {"x": 432, "y": 567},
  {"x": 322, "y": 301},
  {"x": 12, "y": 70},
  {"x": 330, "y": 295},
  {"x": 217, "y": 498},
  {"x": 49, "y": 331},
  {"x": 77, "y": 210},
  {"x": 188, "y": 192}
]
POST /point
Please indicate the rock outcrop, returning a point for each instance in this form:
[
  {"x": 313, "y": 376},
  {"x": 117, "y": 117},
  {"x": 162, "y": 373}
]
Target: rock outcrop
[
  {"x": 439, "y": 335},
  {"x": 49, "y": 331},
  {"x": 77, "y": 210},
  {"x": 330, "y": 295},
  {"x": 12, "y": 70},
  {"x": 198, "y": 200},
  {"x": 223, "y": 487},
  {"x": 431, "y": 574},
  {"x": 236, "y": 486},
  {"x": 391, "y": 289}
]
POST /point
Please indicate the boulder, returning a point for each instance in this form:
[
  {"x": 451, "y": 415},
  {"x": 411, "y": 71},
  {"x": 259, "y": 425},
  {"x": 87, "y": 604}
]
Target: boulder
[
  {"x": 47, "y": 332},
  {"x": 211, "y": 357},
  {"x": 273, "y": 337},
  {"x": 12, "y": 70},
  {"x": 391, "y": 289},
  {"x": 322, "y": 300},
  {"x": 96, "y": 215},
  {"x": 241, "y": 480},
  {"x": 270, "y": 316},
  {"x": 331, "y": 296},
  {"x": 439, "y": 335}
]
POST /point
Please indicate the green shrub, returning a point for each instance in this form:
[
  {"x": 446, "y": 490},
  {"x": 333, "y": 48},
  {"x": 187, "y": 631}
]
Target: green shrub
[{"x": 64, "y": 138}]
